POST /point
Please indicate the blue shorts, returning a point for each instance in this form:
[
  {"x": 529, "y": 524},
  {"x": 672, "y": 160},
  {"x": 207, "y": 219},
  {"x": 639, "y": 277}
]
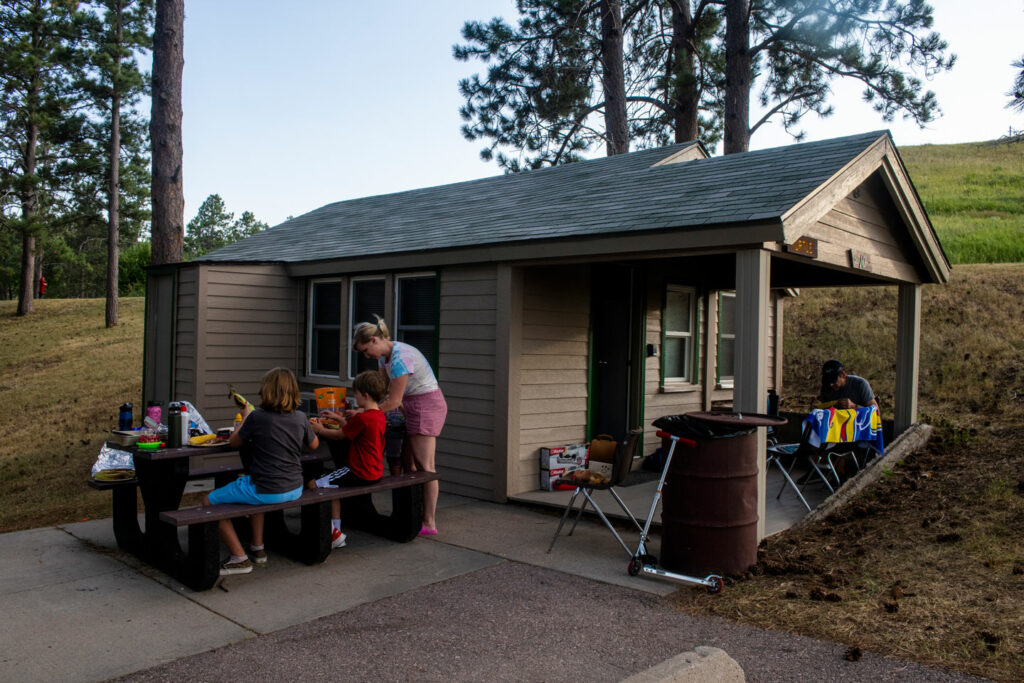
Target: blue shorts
[{"x": 242, "y": 490}]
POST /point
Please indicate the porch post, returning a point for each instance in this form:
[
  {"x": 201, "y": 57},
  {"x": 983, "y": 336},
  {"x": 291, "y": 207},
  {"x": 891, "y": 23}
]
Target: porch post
[
  {"x": 908, "y": 348},
  {"x": 507, "y": 350},
  {"x": 750, "y": 386}
]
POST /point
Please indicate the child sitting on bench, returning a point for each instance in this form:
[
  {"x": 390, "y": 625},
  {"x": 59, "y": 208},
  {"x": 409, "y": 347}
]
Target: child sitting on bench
[
  {"x": 274, "y": 435},
  {"x": 364, "y": 430}
]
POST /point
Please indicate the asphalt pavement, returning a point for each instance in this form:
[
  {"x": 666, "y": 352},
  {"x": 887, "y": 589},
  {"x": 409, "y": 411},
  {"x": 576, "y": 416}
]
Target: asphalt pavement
[{"x": 482, "y": 600}]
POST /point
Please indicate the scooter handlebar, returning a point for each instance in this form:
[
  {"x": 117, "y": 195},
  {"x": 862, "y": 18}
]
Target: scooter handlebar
[{"x": 681, "y": 439}]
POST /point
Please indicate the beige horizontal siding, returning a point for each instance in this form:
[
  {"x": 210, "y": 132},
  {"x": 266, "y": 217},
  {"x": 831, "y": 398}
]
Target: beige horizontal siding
[
  {"x": 867, "y": 223},
  {"x": 552, "y": 365},
  {"x": 658, "y": 403}
]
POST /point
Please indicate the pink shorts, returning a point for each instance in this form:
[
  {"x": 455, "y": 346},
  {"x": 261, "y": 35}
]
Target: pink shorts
[{"x": 425, "y": 413}]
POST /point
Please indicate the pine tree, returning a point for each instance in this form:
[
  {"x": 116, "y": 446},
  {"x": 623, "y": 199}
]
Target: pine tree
[
  {"x": 214, "y": 227},
  {"x": 120, "y": 30},
  {"x": 1016, "y": 93},
  {"x": 575, "y": 73},
  {"x": 801, "y": 46},
  {"x": 37, "y": 117}
]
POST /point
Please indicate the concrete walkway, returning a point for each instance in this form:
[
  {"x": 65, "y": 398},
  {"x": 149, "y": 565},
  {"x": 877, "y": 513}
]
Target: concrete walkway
[{"x": 480, "y": 601}]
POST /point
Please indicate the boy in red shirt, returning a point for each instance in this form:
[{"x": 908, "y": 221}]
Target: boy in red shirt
[{"x": 364, "y": 429}]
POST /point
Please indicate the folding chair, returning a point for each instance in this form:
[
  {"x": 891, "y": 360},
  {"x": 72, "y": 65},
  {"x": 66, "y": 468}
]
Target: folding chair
[
  {"x": 798, "y": 451},
  {"x": 624, "y": 453}
]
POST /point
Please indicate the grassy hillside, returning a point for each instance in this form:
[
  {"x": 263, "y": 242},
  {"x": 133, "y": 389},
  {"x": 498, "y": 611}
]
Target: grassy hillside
[
  {"x": 974, "y": 194},
  {"x": 62, "y": 377},
  {"x": 926, "y": 563}
]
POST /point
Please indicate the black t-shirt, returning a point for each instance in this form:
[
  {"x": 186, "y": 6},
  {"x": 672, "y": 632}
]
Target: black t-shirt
[
  {"x": 275, "y": 441},
  {"x": 856, "y": 389}
]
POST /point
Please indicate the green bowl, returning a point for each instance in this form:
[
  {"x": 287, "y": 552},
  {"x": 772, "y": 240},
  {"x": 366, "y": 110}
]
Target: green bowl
[{"x": 149, "y": 445}]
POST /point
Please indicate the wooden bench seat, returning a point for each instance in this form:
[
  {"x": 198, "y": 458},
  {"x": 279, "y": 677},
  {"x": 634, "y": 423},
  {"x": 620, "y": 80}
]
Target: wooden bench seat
[
  {"x": 199, "y": 566},
  {"x": 213, "y": 513}
]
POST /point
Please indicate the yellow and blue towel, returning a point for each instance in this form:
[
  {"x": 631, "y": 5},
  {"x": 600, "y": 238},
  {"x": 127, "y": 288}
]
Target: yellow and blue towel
[{"x": 862, "y": 426}]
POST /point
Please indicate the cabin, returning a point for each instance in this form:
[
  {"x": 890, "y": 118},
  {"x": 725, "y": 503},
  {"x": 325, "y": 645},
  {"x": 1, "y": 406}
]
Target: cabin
[{"x": 561, "y": 303}]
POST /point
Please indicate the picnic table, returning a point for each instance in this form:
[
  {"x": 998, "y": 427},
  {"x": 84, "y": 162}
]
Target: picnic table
[{"x": 162, "y": 475}]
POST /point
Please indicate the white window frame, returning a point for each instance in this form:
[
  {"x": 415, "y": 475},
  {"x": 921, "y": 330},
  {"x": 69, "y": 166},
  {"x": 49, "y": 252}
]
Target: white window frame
[
  {"x": 310, "y": 328},
  {"x": 724, "y": 382},
  {"x": 691, "y": 359}
]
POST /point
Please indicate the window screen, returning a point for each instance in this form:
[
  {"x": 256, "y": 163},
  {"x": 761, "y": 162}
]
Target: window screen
[
  {"x": 367, "y": 302},
  {"x": 416, "y": 314},
  {"x": 325, "y": 328}
]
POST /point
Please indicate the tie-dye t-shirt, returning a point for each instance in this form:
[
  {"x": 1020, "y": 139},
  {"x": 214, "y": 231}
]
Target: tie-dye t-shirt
[{"x": 407, "y": 360}]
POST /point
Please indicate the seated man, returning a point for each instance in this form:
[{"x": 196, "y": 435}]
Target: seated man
[{"x": 841, "y": 390}]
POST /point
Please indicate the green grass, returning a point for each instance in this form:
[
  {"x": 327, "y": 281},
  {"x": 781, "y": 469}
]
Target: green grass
[
  {"x": 62, "y": 377},
  {"x": 974, "y": 194}
]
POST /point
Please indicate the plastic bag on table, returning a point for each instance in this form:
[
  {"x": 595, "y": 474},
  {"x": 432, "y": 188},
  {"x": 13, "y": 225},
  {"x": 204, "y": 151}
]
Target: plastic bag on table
[
  {"x": 194, "y": 416},
  {"x": 113, "y": 465}
]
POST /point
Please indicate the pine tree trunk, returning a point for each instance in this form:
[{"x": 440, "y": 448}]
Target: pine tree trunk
[
  {"x": 683, "y": 94},
  {"x": 168, "y": 225},
  {"x": 737, "y": 76},
  {"x": 28, "y": 208},
  {"x": 613, "y": 79},
  {"x": 114, "y": 190},
  {"x": 113, "y": 210}
]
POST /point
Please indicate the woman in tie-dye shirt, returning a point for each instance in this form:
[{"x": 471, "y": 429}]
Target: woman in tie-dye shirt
[{"x": 413, "y": 387}]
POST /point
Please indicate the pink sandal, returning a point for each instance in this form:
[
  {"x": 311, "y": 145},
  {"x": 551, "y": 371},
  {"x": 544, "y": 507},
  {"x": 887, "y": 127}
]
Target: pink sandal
[{"x": 424, "y": 531}]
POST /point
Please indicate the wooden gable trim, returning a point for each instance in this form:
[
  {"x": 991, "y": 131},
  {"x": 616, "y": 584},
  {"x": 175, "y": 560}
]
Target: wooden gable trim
[
  {"x": 692, "y": 152},
  {"x": 897, "y": 181},
  {"x": 883, "y": 158},
  {"x": 812, "y": 208}
]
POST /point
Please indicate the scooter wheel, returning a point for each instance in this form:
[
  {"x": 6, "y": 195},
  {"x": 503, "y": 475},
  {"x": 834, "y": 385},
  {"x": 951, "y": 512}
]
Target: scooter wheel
[
  {"x": 716, "y": 584},
  {"x": 634, "y": 566}
]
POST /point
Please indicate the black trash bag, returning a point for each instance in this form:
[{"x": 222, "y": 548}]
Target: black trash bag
[{"x": 693, "y": 428}]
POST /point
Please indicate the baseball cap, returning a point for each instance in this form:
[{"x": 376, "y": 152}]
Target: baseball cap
[{"x": 830, "y": 372}]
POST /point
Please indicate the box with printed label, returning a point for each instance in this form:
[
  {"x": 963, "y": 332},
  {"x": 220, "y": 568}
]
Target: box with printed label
[{"x": 559, "y": 461}]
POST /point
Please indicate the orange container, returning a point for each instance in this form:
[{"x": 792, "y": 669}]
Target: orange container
[{"x": 330, "y": 398}]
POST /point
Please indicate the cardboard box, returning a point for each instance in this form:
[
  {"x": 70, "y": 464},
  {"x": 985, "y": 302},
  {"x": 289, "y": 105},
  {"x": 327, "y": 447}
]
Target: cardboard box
[{"x": 559, "y": 461}]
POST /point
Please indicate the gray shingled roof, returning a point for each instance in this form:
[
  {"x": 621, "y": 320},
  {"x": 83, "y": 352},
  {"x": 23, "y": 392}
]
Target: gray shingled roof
[{"x": 620, "y": 194}]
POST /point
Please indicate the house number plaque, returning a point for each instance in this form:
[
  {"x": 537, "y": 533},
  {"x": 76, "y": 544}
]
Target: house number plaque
[{"x": 805, "y": 246}]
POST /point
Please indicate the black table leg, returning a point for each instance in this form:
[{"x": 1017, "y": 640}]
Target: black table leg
[
  {"x": 199, "y": 569},
  {"x": 126, "y": 518},
  {"x": 406, "y": 514},
  {"x": 162, "y": 484}
]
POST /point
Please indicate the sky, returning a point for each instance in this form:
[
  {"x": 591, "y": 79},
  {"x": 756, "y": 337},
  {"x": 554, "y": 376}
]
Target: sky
[{"x": 291, "y": 106}]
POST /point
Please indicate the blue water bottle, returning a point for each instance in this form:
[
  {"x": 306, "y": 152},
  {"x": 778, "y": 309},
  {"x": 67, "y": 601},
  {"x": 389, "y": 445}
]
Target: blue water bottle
[{"x": 125, "y": 418}]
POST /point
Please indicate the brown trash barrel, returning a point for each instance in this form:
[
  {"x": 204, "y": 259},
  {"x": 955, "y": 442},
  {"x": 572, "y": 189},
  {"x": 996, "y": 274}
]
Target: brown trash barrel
[{"x": 709, "y": 503}]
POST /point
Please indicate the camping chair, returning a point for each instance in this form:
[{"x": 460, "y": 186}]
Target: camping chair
[
  {"x": 621, "y": 465},
  {"x": 803, "y": 450},
  {"x": 853, "y": 451}
]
